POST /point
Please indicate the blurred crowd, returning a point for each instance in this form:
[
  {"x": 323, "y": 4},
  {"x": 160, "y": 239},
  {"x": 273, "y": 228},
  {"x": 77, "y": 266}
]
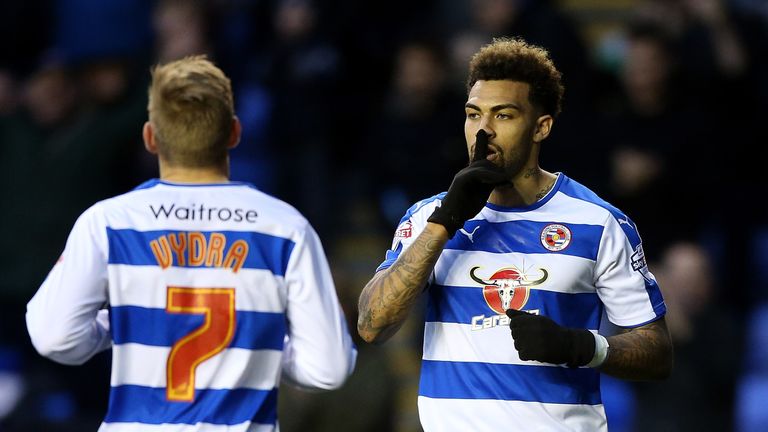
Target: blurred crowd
[{"x": 352, "y": 111}]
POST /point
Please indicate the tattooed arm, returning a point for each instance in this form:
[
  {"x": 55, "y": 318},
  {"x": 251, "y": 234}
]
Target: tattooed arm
[
  {"x": 386, "y": 300},
  {"x": 642, "y": 353}
]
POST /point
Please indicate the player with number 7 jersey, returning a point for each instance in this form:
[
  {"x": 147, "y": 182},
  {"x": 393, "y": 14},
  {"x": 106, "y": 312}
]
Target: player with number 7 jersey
[{"x": 208, "y": 291}]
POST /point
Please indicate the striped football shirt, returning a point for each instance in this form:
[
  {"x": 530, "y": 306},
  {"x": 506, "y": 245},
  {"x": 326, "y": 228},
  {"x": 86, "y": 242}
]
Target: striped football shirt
[
  {"x": 214, "y": 292},
  {"x": 571, "y": 257}
]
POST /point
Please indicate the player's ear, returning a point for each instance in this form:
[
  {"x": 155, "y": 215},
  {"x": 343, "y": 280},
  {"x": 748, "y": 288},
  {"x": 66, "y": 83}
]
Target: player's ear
[
  {"x": 543, "y": 127},
  {"x": 149, "y": 138},
  {"x": 234, "y": 135}
]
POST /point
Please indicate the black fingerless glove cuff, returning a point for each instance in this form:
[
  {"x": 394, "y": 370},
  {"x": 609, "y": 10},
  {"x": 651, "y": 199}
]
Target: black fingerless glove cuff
[
  {"x": 446, "y": 219},
  {"x": 582, "y": 347}
]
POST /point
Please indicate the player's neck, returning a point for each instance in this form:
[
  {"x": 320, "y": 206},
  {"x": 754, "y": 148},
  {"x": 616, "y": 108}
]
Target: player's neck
[
  {"x": 529, "y": 186},
  {"x": 177, "y": 174}
]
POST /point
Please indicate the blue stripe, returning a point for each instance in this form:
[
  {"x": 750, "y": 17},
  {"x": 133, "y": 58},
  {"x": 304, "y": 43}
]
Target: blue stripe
[
  {"x": 253, "y": 330},
  {"x": 468, "y": 380},
  {"x": 390, "y": 257},
  {"x": 524, "y": 236},
  {"x": 127, "y": 246},
  {"x": 148, "y": 184},
  {"x": 459, "y": 304},
  {"x": 518, "y": 236},
  {"x": 148, "y": 405},
  {"x": 657, "y": 300}
]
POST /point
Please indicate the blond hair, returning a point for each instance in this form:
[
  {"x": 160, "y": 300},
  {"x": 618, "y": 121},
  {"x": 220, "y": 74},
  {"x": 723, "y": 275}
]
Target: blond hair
[
  {"x": 516, "y": 60},
  {"x": 191, "y": 111}
]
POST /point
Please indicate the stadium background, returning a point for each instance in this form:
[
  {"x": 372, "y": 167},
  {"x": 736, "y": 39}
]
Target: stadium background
[{"x": 352, "y": 111}]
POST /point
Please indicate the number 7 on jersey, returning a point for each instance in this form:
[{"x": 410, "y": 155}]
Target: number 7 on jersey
[{"x": 204, "y": 342}]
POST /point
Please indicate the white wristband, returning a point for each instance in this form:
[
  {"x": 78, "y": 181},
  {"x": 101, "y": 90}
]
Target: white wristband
[{"x": 601, "y": 351}]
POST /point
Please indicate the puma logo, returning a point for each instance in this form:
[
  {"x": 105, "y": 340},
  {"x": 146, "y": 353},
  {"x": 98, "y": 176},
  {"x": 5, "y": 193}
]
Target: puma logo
[
  {"x": 469, "y": 235},
  {"x": 626, "y": 222}
]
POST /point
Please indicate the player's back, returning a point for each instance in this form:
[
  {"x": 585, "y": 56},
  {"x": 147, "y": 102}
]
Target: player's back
[{"x": 197, "y": 305}]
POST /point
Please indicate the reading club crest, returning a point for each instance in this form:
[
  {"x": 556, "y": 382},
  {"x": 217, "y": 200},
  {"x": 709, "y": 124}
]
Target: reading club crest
[
  {"x": 555, "y": 237},
  {"x": 508, "y": 288}
]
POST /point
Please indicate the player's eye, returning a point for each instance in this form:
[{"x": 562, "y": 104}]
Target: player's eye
[
  {"x": 503, "y": 116},
  {"x": 473, "y": 115}
]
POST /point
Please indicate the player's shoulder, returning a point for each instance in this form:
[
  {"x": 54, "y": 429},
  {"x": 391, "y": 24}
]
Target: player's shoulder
[
  {"x": 424, "y": 207},
  {"x": 213, "y": 197},
  {"x": 586, "y": 198},
  {"x": 277, "y": 210}
]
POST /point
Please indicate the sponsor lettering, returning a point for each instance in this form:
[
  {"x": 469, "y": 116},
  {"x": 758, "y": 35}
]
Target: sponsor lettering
[
  {"x": 200, "y": 212},
  {"x": 638, "y": 259},
  {"x": 482, "y": 322},
  {"x": 404, "y": 231}
]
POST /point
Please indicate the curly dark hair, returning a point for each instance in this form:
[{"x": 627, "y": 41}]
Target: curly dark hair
[{"x": 516, "y": 60}]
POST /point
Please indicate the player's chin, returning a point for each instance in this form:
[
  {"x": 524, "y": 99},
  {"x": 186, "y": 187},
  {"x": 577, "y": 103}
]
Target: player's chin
[{"x": 512, "y": 169}]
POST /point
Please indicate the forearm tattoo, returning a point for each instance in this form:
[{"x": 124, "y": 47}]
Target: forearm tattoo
[
  {"x": 386, "y": 300},
  {"x": 643, "y": 353}
]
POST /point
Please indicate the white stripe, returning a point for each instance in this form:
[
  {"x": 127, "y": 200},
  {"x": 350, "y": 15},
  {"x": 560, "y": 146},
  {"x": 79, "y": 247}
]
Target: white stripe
[
  {"x": 561, "y": 208},
  {"x": 567, "y": 273},
  {"x": 458, "y": 342},
  {"x": 438, "y": 415},
  {"x": 132, "y": 210},
  {"x": 199, "y": 427},
  {"x": 146, "y": 286},
  {"x": 232, "y": 368},
  {"x": 621, "y": 289}
]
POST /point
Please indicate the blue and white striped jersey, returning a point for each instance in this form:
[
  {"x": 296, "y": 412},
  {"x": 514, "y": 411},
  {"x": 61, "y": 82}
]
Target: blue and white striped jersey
[
  {"x": 570, "y": 256},
  {"x": 214, "y": 292}
]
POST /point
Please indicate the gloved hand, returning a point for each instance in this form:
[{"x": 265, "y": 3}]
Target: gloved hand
[
  {"x": 539, "y": 338},
  {"x": 470, "y": 189}
]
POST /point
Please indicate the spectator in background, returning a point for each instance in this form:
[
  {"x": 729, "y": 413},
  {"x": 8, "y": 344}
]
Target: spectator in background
[
  {"x": 647, "y": 134},
  {"x": 82, "y": 108},
  {"x": 8, "y": 94},
  {"x": 714, "y": 47},
  {"x": 303, "y": 73},
  {"x": 26, "y": 29},
  {"x": 414, "y": 113},
  {"x": 73, "y": 129},
  {"x": 49, "y": 102},
  {"x": 539, "y": 22},
  {"x": 181, "y": 29},
  {"x": 699, "y": 395},
  {"x": 71, "y": 142}
]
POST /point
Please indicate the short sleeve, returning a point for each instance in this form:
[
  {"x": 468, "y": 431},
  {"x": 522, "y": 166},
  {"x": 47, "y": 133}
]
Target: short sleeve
[
  {"x": 624, "y": 283},
  {"x": 410, "y": 226}
]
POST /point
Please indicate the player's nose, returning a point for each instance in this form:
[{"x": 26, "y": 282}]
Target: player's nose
[{"x": 486, "y": 126}]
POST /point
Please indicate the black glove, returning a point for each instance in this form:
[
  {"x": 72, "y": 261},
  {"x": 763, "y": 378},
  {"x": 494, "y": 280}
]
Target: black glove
[
  {"x": 539, "y": 338},
  {"x": 470, "y": 189}
]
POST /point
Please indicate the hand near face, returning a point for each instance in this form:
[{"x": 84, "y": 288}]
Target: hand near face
[{"x": 470, "y": 189}]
